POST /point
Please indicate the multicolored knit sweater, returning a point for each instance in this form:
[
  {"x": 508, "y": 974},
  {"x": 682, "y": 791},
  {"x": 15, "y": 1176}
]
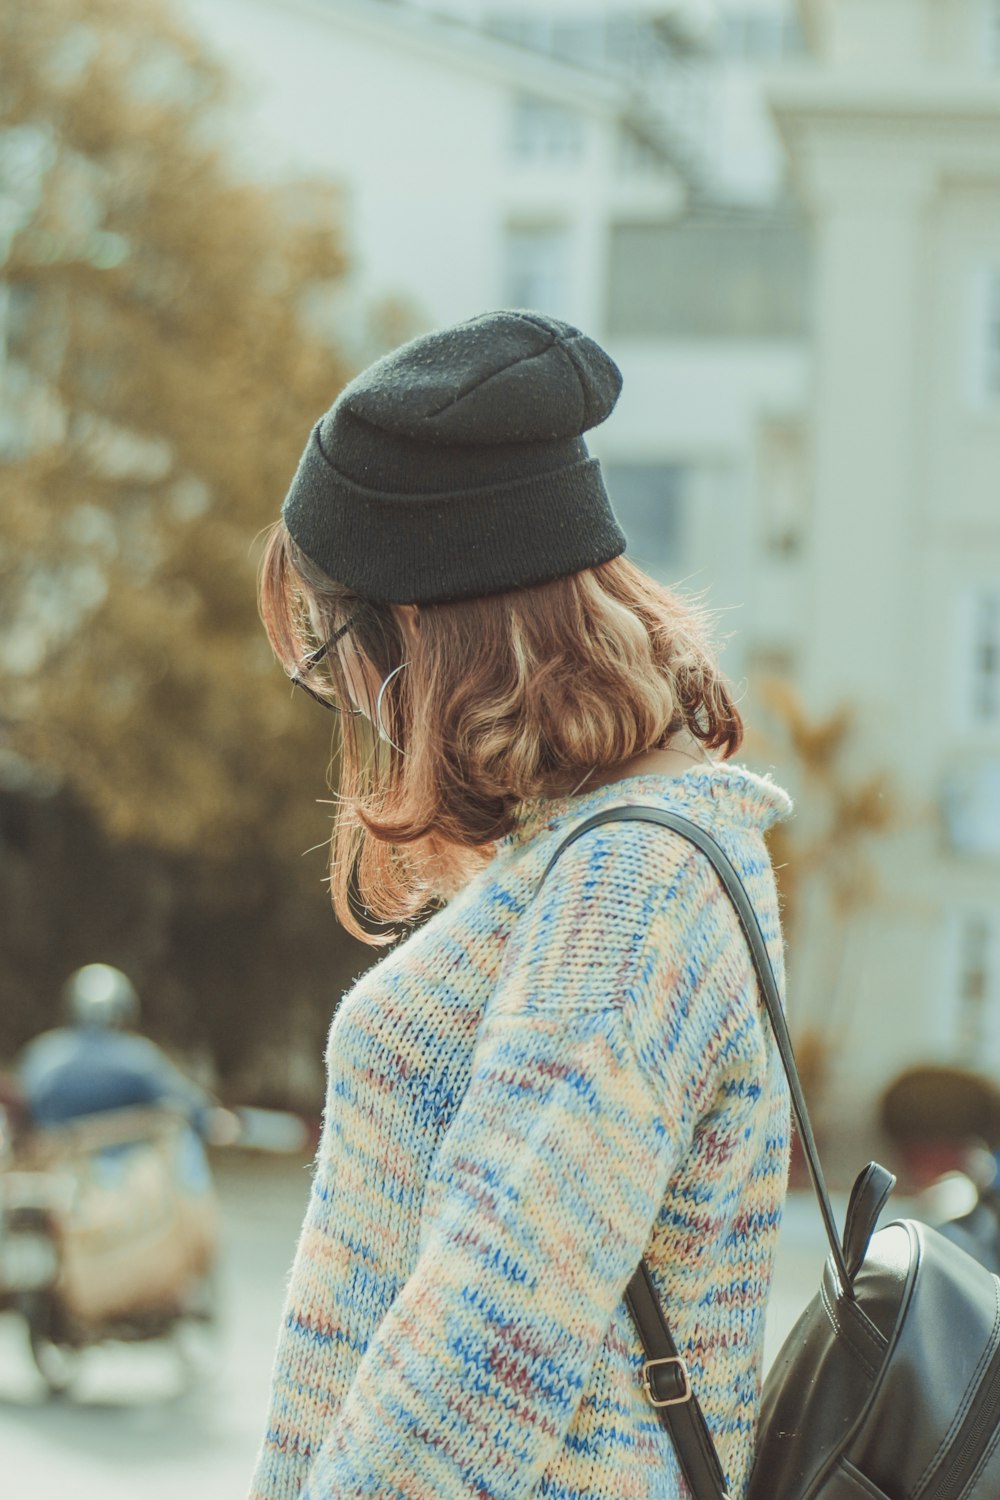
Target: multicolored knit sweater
[{"x": 525, "y": 1095}]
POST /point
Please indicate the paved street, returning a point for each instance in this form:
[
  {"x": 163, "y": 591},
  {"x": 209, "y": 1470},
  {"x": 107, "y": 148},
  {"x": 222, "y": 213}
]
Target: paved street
[{"x": 135, "y": 1429}]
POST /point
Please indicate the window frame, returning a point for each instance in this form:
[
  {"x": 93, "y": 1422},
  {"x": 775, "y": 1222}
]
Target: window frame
[
  {"x": 557, "y": 298},
  {"x": 984, "y": 338},
  {"x": 991, "y": 34},
  {"x": 544, "y": 133},
  {"x": 978, "y": 676},
  {"x": 973, "y": 1022}
]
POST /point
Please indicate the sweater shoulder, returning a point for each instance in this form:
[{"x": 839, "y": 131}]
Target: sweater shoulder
[{"x": 627, "y": 864}]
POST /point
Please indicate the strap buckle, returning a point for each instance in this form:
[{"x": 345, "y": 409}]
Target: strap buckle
[{"x": 669, "y": 1359}]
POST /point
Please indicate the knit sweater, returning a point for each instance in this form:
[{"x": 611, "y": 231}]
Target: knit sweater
[{"x": 525, "y": 1095}]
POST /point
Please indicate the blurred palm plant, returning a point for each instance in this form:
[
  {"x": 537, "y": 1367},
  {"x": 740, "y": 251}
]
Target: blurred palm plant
[{"x": 824, "y": 856}]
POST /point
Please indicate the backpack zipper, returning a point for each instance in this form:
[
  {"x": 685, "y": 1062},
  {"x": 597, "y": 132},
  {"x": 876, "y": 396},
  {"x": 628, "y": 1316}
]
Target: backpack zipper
[{"x": 967, "y": 1449}]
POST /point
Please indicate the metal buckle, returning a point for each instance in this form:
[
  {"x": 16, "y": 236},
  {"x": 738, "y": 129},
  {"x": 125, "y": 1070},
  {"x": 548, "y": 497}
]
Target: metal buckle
[{"x": 669, "y": 1359}]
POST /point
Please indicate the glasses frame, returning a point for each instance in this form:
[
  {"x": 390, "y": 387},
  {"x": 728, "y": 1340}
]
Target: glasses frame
[{"x": 311, "y": 661}]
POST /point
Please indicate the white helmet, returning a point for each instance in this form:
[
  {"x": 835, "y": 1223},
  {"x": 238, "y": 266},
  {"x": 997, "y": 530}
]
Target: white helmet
[{"x": 98, "y": 995}]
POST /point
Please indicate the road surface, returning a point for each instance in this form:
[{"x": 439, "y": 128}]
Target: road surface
[{"x": 136, "y": 1427}]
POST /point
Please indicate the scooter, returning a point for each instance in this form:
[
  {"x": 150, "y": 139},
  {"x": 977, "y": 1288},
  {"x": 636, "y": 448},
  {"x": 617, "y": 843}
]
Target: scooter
[{"x": 108, "y": 1231}]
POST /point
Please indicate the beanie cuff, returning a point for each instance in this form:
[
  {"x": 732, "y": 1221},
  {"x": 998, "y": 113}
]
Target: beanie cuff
[{"x": 459, "y": 544}]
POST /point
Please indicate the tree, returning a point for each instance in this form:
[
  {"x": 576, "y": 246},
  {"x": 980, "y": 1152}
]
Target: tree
[
  {"x": 236, "y": 968},
  {"x": 160, "y": 371},
  {"x": 159, "y": 385}
]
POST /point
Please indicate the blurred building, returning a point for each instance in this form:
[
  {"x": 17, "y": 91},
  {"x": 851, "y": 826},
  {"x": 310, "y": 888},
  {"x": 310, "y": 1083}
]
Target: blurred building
[
  {"x": 893, "y": 132},
  {"x": 810, "y": 424},
  {"x": 614, "y": 164}
]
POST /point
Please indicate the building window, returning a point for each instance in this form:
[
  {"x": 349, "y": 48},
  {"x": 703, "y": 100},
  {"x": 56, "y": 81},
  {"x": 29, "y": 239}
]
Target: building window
[
  {"x": 725, "y": 275},
  {"x": 783, "y": 487},
  {"x": 543, "y": 131},
  {"x": 581, "y": 42},
  {"x": 578, "y": 41},
  {"x": 980, "y": 656},
  {"x": 970, "y": 802},
  {"x": 986, "y": 658},
  {"x": 650, "y": 501},
  {"x": 977, "y": 1011},
  {"x": 986, "y": 337},
  {"x": 992, "y": 37},
  {"x": 761, "y": 37},
  {"x": 536, "y": 269}
]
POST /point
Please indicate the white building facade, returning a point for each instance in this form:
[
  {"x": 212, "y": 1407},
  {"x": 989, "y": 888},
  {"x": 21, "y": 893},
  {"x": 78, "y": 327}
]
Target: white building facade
[
  {"x": 810, "y": 423},
  {"x": 535, "y": 156},
  {"x": 894, "y": 137}
]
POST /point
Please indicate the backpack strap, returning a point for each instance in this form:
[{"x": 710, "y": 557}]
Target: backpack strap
[{"x": 664, "y": 1373}]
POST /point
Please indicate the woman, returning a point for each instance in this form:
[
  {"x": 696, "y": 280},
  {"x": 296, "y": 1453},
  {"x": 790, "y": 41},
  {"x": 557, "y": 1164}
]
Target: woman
[{"x": 527, "y": 1094}]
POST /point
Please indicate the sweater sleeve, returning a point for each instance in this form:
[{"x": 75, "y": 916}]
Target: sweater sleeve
[{"x": 542, "y": 1198}]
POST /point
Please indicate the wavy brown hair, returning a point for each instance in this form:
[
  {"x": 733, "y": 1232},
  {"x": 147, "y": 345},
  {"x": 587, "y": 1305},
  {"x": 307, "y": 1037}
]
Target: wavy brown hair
[{"x": 508, "y": 697}]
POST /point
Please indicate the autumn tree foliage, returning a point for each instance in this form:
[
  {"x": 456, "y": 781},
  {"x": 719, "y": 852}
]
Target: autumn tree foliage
[
  {"x": 161, "y": 375},
  {"x": 162, "y": 363}
]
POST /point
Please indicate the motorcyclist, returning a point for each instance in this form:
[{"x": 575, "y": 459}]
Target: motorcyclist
[
  {"x": 137, "y": 1237},
  {"x": 97, "y": 1064}
]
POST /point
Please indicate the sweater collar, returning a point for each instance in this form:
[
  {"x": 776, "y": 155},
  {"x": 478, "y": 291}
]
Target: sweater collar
[{"x": 724, "y": 791}]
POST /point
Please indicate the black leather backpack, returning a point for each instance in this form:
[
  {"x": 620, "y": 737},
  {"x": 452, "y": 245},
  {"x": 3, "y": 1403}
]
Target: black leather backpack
[{"x": 888, "y": 1386}]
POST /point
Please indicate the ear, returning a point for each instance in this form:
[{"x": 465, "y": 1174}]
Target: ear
[{"x": 409, "y": 616}]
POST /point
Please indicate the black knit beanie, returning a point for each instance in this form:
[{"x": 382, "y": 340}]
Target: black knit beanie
[{"x": 455, "y": 466}]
